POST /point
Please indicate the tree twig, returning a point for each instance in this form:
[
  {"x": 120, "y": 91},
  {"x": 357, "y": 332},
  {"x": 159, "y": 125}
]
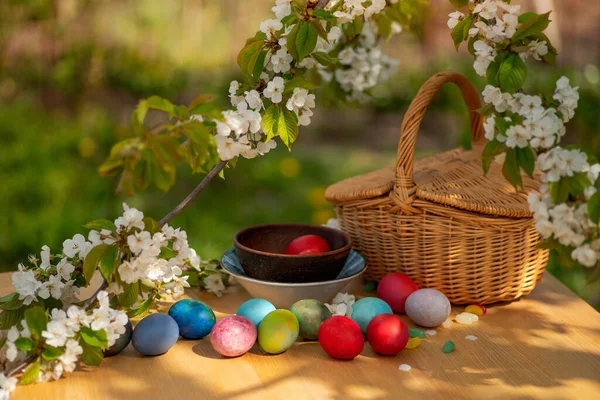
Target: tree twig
[{"x": 214, "y": 172}]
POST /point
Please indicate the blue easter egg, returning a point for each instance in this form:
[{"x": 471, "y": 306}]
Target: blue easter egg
[
  {"x": 121, "y": 342},
  {"x": 367, "y": 308},
  {"x": 194, "y": 318},
  {"x": 155, "y": 334},
  {"x": 255, "y": 310}
]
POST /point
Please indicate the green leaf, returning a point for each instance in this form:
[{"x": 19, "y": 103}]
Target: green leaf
[
  {"x": 25, "y": 344},
  {"x": 10, "y": 318},
  {"x": 458, "y": 4},
  {"x": 511, "y": 169},
  {"x": 525, "y": 16},
  {"x": 164, "y": 177},
  {"x": 461, "y": 30},
  {"x": 548, "y": 244},
  {"x": 306, "y": 39},
  {"x": 51, "y": 303},
  {"x": 151, "y": 225},
  {"x": 92, "y": 260},
  {"x": 91, "y": 355},
  {"x": 289, "y": 19},
  {"x": 142, "y": 174},
  {"x": 578, "y": 183},
  {"x": 270, "y": 121},
  {"x": 320, "y": 31},
  {"x": 52, "y": 353},
  {"x": 167, "y": 253},
  {"x": 323, "y": 58},
  {"x": 594, "y": 207},
  {"x": 532, "y": 26},
  {"x": 100, "y": 224},
  {"x": 257, "y": 63},
  {"x": 201, "y": 100},
  {"x": 94, "y": 338},
  {"x": 108, "y": 262},
  {"x": 287, "y": 126},
  {"x": 491, "y": 150},
  {"x": 2, "y": 342},
  {"x": 141, "y": 309},
  {"x": 384, "y": 26},
  {"x": 526, "y": 160},
  {"x": 31, "y": 373},
  {"x": 11, "y": 302},
  {"x": 491, "y": 73},
  {"x": 36, "y": 321},
  {"x": 154, "y": 102},
  {"x": 130, "y": 294},
  {"x": 560, "y": 190},
  {"x": 512, "y": 73},
  {"x": 248, "y": 56},
  {"x": 291, "y": 42}
]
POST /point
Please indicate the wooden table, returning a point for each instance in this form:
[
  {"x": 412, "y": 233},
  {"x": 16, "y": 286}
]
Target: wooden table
[{"x": 546, "y": 345}]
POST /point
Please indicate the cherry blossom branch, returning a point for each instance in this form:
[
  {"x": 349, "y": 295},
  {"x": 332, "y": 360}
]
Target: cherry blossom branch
[{"x": 214, "y": 172}]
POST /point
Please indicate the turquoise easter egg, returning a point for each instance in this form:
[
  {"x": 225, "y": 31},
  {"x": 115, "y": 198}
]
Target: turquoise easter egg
[
  {"x": 155, "y": 334},
  {"x": 367, "y": 308},
  {"x": 310, "y": 314},
  {"x": 278, "y": 331},
  {"x": 255, "y": 310},
  {"x": 194, "y": 318},
  {"x": 121, "y": 342}
]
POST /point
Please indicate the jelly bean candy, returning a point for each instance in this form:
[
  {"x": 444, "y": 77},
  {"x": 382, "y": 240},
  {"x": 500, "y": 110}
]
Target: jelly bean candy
[
  {"x": 447, "y": 323},
  {"x": 413, "y": 343},
  {"x": 370, "y": 287},
  {"x": 431, "y": 332},
  {"x": 416, "y": 332},
  {"x": 448, "y": 347},
  {"x": 473, "y": 309},
  {"x": 466, "y": 318}
]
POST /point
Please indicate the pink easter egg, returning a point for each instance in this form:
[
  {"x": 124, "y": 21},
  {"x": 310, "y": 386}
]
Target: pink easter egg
[{"x": 233, "y": 336}]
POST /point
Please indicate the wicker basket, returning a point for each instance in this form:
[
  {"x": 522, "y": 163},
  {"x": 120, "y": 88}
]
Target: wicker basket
[{"x": 439, "y": 220}]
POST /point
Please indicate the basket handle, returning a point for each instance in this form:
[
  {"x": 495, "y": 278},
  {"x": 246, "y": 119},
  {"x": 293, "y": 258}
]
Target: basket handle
[{"x": 404, "y": 186}]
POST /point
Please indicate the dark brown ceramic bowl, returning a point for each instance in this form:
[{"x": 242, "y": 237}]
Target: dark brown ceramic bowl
[{"x": 260, "y": 251}]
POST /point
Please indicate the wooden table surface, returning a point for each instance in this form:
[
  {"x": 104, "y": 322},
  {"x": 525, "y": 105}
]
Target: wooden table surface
[{"x": 546, "y": 345}]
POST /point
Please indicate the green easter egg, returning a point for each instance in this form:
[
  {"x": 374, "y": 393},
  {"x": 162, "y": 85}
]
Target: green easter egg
[
  {"x": 310, "y": 314},
  {"x": 278, "y": 331}
]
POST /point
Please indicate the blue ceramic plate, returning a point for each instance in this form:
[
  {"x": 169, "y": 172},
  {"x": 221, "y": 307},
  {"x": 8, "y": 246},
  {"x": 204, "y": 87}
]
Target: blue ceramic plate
[{"x": 355, "y": 263}]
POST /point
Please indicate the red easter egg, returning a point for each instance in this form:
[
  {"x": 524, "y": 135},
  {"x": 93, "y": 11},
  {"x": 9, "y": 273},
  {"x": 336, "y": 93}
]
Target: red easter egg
[
  {"x": 313, "y": 243},
  {"x": 394, "y": 289},
  {"x": 387, "y": 334},
  {"x": 341, "y": 337}
]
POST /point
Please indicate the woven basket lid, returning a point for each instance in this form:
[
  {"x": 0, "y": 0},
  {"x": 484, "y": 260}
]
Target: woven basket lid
[{"x": 454, "y": 178}]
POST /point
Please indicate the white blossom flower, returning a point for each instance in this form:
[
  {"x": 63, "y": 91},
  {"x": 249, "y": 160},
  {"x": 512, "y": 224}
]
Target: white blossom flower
[
  {"x": 486, "y": 9},
  {"x": 253, "y": 99},
  {"x": 333, "y": 223},
  {"x": 25, "y": 284},
  {"x": 339, "y": 309},
  {"x": 455, "y": 18},
  {"x": 585, "y": 256},
  {"x": 304, "y": 115},
  {"x": 98, "y": 238},
  {"x": 69, "y": 358},
  {"x": 517, "y": 136},
  {"x": 484, "y": 57},
  {"x": 7, "y": 385},
  {"x": 299, "y": 99},
  {"x": 139, "y": 241},
  {"x": 375, "y": 8},
  {"x": 45, "y": 258},
  {"x": 567, "y": 96},
  {"x": 280, "y": 61},
  {"x": 229, "y": 148},
  {"x": 214, "y": 284},
  {"x": 75, "y": 246},
  {"x": 282, "y": 9},
  {"x": 271, "y": 27},
  {"x": 274, "y": 90},
  {"x": 128, "y": 272},
  {"x": 115, "y": 289},
  {"x": 53, "y": 287},
  {"x": 537, "y": 49},
  {"x": 489, "y": 127},
  {"x": 132, "y": 218}
]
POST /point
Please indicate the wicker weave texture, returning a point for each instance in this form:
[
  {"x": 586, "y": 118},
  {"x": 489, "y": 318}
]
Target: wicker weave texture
[{"x": 469, "y": 236}]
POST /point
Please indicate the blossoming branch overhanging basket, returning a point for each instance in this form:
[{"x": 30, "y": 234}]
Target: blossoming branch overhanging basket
[{"x": 439, "y": 220}]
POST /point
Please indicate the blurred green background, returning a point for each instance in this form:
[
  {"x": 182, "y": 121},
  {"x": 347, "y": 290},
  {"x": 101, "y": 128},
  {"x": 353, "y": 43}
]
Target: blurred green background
[{"x": 71, "y": 72}]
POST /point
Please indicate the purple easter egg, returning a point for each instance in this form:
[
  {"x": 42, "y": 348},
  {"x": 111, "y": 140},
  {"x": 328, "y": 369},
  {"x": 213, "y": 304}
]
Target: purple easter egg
[{"x": 233, "y": 336}]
